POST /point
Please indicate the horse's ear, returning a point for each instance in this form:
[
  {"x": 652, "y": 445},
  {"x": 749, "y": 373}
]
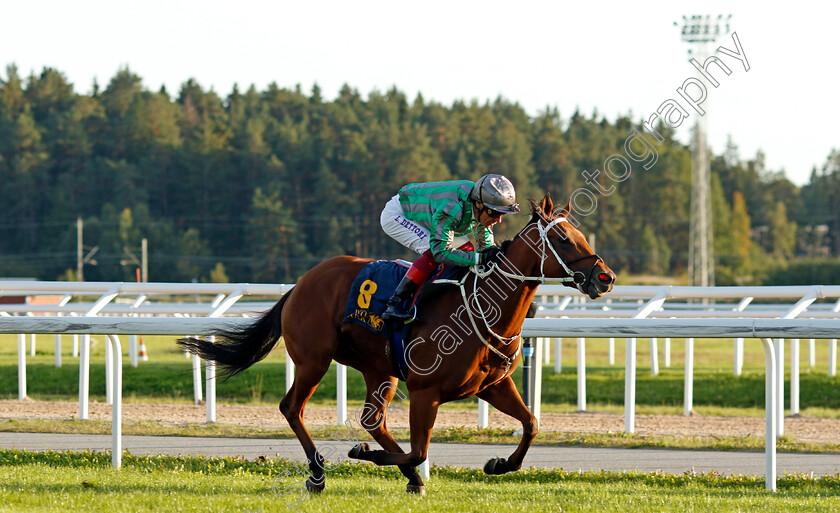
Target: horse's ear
[
  {"x": 565, "y": 210},
  {"x": 547, "y": 205}
]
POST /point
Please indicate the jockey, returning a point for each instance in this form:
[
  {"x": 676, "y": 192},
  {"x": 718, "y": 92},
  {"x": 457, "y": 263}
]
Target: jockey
[{"x": 434, "y": 218}]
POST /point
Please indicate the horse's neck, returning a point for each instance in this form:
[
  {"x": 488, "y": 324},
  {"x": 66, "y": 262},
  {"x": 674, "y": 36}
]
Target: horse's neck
[
  {"x": 510, "y": 296},
  {"x": 514, "y": 311}
]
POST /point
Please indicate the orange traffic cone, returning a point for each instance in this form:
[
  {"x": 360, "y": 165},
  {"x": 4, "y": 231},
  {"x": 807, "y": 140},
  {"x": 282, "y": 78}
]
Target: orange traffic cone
[{"x": 142, "y": 355}]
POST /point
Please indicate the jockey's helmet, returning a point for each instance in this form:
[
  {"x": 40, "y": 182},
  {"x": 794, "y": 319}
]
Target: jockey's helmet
[{"x": 496, "y": 193}]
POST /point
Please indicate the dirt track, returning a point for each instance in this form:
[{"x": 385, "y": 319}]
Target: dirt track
[{"x": 803, "y": 429}]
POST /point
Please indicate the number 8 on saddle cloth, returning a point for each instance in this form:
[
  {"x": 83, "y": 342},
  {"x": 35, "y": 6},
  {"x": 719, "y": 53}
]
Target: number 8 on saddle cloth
[{"x": 368, "y": 298}]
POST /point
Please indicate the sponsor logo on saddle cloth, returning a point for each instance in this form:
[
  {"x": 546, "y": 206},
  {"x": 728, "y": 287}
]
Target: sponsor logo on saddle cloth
[{"x": 370, "y": 292}]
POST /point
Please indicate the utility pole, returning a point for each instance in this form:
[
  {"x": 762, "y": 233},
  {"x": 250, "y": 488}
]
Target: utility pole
[
  {"x": 80, "y": 276},
  {"x": 143, "y": 263},
  {"x": 81, "y": 258},
  {"x": 698, "y": 31},
  {"x": 144, "y": 259}
]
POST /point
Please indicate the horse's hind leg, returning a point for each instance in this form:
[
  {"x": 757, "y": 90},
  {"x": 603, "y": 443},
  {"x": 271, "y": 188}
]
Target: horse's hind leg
[
  {"x": 505, "y": 398},
  {"x": 307, "y": 376},
  {"x": 380, "y": 392},
  {"x": 422, "y": 414}
]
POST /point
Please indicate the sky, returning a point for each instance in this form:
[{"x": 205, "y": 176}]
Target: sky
[{"x": 616, "y": 58}]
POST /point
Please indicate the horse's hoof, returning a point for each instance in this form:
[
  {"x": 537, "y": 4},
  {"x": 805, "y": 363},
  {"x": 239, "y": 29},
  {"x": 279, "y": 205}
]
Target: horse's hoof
[
  {"x": 495, "y": 466},
  {"x": 357, "y": 450},
  {"x": 312, "y": 486},
  {"x": 418, "y": 489}
]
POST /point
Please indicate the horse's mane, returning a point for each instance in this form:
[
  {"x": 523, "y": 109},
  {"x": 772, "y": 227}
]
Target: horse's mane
[{"x": 537, "y": 213}]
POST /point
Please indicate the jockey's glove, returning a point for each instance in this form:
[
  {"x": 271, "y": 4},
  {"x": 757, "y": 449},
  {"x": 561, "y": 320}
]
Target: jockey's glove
[{"x": 488, "y": 255}]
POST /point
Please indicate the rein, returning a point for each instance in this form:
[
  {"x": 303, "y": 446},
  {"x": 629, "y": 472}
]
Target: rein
[{"x": 493, "y": 266}]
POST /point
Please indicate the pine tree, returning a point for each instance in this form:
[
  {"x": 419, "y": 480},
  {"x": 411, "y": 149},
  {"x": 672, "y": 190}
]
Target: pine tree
[
  {"x": 649, "y": 252},
  {"x": 12, "y": 98},
  {"x": 741, "y": 237},
  {"x": 781, "y": 233},
  {"x": 279, "y": 253}
]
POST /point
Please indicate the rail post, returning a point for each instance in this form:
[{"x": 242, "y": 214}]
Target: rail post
[
  {"x": 341, "y": 393},
  {"x": 630, "y": 386},
  {"x": 58, "y": 351},
  {"x": 290, "y": 371},
  {"x": 21, "y": 366},
  {"x": 581, "y": 374},
  {"x": 794, "y": 376},
  {"x": 770, "y": 405},
  {"x": 196, "y": 369},
  {"x": 483, "y": 414},
  {"x": 84, "y": 353},
  {"x": 688, "y": 392},
  {"x": 780, "y": 386},
  {"x": 654, "y": 357},
  {"x": 738, "y": 359},
  {"x": 116, "y": 405},
  {"x": 210, "y": 386}
]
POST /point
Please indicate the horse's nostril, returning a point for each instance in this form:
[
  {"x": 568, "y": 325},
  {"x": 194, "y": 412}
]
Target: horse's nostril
[{"x": 604, "y": 277}]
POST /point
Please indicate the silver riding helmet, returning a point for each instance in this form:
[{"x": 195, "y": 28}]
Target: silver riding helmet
[{"x": 496, "y": 193}]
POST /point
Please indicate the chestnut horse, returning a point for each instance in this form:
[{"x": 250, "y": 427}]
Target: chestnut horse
[{"x": 465, "y": 341}]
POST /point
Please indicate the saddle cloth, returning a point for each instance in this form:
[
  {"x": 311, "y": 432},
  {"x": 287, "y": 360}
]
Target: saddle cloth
[
  {"x": 371, "y": 291},
  {"x": 374, "y": 286},
  {"x": 369, "y": 297}
]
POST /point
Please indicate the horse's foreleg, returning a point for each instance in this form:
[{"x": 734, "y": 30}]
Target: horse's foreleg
[
  {"x": 380, "y": 393},
  {"x": 505, "y": 398},
  {"x": 422, "y": 414}
]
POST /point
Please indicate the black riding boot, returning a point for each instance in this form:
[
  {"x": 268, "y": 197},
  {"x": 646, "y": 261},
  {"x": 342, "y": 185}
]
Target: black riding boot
[{"x": 405, "y": 290}]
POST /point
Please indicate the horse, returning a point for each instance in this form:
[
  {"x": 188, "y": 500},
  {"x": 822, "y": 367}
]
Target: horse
[{"x": 464, "y": 343}]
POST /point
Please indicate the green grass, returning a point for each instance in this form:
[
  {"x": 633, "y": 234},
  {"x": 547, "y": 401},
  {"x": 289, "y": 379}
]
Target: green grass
[
  {"x": 52, "y": 481},
  {"x": 167, "y": 377}
]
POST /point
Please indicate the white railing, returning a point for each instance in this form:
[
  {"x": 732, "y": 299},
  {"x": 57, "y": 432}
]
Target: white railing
[
  {"x": 225, "y": 296},
  {"x": 764, "y": 329},
  {"x": 653, "y": 302},
  {"x": 622, "y": 302}
]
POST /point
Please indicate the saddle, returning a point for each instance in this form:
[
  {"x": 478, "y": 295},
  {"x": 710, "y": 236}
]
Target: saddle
[{"x": 369, "y": 296}]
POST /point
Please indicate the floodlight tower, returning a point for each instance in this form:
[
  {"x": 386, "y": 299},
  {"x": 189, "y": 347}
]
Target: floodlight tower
[{"x": 699, "y": 32}]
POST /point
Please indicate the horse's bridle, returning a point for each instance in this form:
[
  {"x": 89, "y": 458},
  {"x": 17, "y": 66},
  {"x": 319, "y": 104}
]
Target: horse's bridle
[{"x": 571, "y": 276}]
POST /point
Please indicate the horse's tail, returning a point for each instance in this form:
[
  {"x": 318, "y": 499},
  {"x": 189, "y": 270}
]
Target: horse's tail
[{"x": 237, "y": 349}]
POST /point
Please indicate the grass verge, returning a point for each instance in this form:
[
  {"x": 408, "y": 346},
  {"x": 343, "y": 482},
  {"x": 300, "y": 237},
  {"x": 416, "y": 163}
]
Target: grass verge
[
  {"x": 52, "y": 481},
  {"x": 446, "y": 435}
]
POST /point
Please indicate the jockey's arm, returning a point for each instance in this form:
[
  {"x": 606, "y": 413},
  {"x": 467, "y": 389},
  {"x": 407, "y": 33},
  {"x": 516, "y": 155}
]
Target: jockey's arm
[
  {"x": 483, "y": 237},
  {"x": 440, "y": 240}
]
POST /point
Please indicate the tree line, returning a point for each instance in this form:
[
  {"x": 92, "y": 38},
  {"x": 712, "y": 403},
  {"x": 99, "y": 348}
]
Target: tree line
[{"x": 262, "y": 185}]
